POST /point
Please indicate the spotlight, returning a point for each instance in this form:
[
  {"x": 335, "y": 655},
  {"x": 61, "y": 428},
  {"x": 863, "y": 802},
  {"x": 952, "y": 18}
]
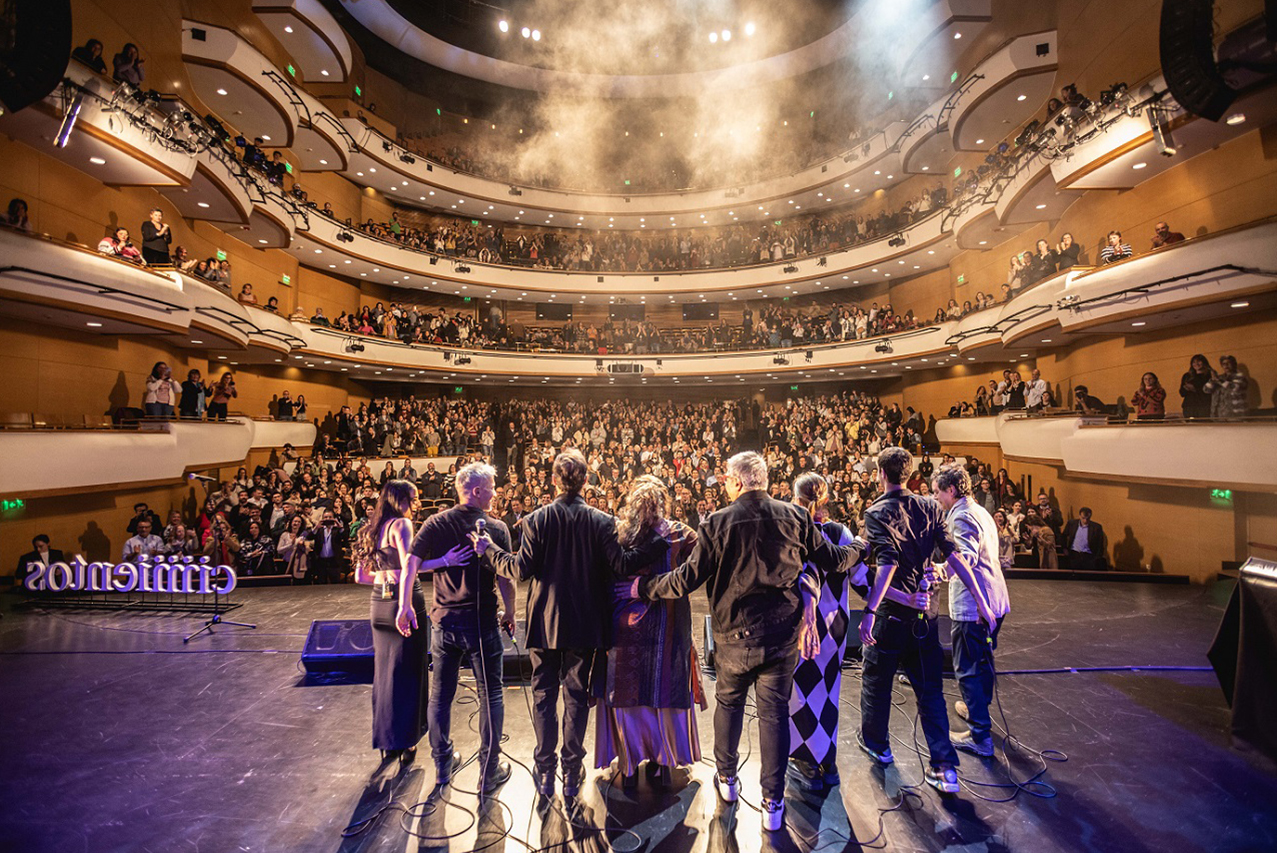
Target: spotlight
[
  {"x": 884, "y": 347},
  {"x": 598, "y": 365},
  {"x": 1161, "y": 135},
  {"x": 1032, "y": 127},
  {"x": 353, "y": 346},
  {"x": 68, "y": 120},
  {"x": 789, "y": 269},
  {"x": 434, "y": 259},
  {"x": 823, "y": 262},
  {"x": 386, "y": 146},
  {"x": 525, "y": 32},
  {"x": 516, "y": 192},
  {"x": 345, "y": 237},
  {"x": 1112, "y": 93},
  {"x": 809, "y": 355},
  {"x": 781, "y": 361},
  {"x": 461, "y": 268},
  {"x": 461, "y": 360},
  {"x": 407, "y": 158},
  {"x": 897, "y": 241},
  {"x": 447, "y": 356}
]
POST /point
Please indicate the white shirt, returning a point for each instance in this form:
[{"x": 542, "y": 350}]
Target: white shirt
[
  {"x": 1033, "y": 392},
  {"x": 975, "y": 533}
]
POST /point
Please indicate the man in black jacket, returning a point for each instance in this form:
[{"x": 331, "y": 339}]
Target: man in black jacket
[
  {"x": 328, "y": 553},
  {"x": 753, "y": 554},
  {"x": 571, "y": 557},
  {"x": 1085, "y": 542},
  {"x": 40, "y": 553}
]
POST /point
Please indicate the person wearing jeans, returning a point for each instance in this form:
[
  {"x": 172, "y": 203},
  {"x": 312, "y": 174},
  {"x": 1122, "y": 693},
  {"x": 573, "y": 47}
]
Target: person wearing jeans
[
  {"x": 760, "y": 560},
  {"x": 904, "y": 530},
  {"x": 466, "y": 624}
]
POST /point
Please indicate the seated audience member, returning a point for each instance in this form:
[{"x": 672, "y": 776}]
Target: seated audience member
[
  {"x": 1164, "y": 236},
  {"x": 118, "y": 245},
  {"x": 156, "y": 238},
  {"x": 40, "y": 553},
  {"x": 16, "y": 216},
  {"x": 1192, "y": 388},
  {"x": 128, "y": 65},
  {"x": 1067, "y": 252},
  {"x": 1086, "y": 404},
  {"x": 256, "y": 552},
  {"x": 142, "y": 543},
  {"x": 246, "y": 296},
  {"x": 1085, "y": 542},
  {"x": 1228, "y": 389},
  {"x": 319, "y": 319},
  {"x": 1114, "y": 249},
  {"x": 272, "y": 305},
  {"x": 1149, "y": 398}
]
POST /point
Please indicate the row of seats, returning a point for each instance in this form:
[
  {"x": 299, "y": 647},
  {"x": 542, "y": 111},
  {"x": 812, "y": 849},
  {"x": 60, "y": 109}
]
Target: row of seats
[{"x": 28, "y": 420}]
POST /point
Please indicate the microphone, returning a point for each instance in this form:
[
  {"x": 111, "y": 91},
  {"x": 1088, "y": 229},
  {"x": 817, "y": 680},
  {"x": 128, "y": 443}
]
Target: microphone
[{"x": 481, "y": 526}]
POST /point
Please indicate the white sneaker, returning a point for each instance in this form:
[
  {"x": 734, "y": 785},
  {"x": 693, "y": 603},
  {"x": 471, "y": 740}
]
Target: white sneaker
[
  {"x": 773, "y": 814},
  {"x": 728, "y": 788}
]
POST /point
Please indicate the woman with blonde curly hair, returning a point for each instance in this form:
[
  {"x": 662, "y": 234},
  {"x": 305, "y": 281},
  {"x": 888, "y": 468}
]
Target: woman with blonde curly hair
[{"x": 646, "y": 710}]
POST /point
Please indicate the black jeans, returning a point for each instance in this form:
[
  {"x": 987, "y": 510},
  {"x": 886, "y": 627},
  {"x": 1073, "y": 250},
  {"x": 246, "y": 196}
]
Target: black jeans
[
  {"x": 922, "y": 659},
  {"x": 770, "y": 670},
  {"x": 571, "y": 668},
  {"x": 973, "y": 647},
  {"x": 450, "y": 643}
]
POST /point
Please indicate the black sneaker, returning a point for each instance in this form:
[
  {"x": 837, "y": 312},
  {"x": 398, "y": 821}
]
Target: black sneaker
[
  {"x": 965, "y": 742},
  {"x": 943, "y": 778},
  {"x": 499, "y": 777},
  {"x": 443, "y": 772},
  {"x": 884, "y": 758},
  {"x": 572, "y": 784},
  {"x": 545, "y": 784},
  {"x": 805, "y": 775}
]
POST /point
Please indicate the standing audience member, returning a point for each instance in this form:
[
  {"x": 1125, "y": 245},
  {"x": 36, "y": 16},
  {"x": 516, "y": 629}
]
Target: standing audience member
[
  {"x": 978, "y": 541},
  {"x": 246, "y": 295},
  {"x": 1227, "y": 389},
  {"x": 1114, "y": 249},
  {"x": 1149, "y": 398},
  {"x": 293, "y": 548},
  {"x": 90, "y": 53},
  {"x": 1035, "y": 391},
  {"x": 156, "y": 237},
  {"x": 128, "y": 65},
  {"x": 1192, "y": 388},
  {"x": 328, "y": 545},
  {"x": 1067, "y": 252},
  {"x": 162, "y": 392},
  {"x": 223, "y": 393},
  {"x": 194, "y": 397},
  {"x": 1086, "y": 542}
]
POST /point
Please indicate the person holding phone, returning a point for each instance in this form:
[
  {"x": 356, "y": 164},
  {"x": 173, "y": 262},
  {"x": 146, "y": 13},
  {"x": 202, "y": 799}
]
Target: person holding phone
[
  {"x": 223, "y": 393},
  {"x": 162, "y": 392}
]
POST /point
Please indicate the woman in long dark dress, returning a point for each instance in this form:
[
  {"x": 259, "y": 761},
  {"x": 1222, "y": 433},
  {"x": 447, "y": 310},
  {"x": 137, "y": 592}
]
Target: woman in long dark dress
[
  {"x": 646, "y": 711},
  {"x": 1192, "y": 387},
  {"x": 398, "y": 613}
]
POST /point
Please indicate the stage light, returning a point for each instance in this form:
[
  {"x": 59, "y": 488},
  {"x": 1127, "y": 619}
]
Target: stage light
[{"x": 503, "y": 26}]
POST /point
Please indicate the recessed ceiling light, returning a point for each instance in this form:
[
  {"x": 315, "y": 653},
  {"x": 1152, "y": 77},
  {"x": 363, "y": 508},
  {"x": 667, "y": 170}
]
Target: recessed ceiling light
[
  {"x": 221, "y": 91},
  {"x": 203, "y": 204},
  {"x": 1046, "y": 340},
  {"x": 979, "y": 142},
  {"x": 1239, "y": 305},
  {"x": 983, "y": 242},
  {"x": 288, "y": 29},
  {"x": 1139, "y": 165},
  {"x": 262, "y": 241},
  {"x": 372, "y": 168},
  {"x": 926, "y": 77},
  {"x": 926, "y": 168},
  {"x": 324, "y": 72},
  {"x": 97, "y": 161},
  {"x": 1021, "y": 97},
  {"x": 94, "y": 325},
  {"x": 957, "y": 35},
  {"x": 197, "y": 342},
  {"x": 1041, "y": 207},
  {"x": 1139, "y": 323}
]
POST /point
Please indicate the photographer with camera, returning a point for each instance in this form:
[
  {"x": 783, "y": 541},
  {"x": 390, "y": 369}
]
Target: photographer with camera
[{"x": 328, "y": 546}]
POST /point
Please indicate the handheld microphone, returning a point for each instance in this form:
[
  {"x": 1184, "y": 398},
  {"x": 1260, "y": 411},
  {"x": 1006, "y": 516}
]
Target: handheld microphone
[{"x": 481, "y": 526}]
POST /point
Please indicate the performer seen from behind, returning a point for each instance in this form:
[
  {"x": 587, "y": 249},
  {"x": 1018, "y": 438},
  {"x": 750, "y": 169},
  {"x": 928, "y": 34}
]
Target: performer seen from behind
[
  {"x": 467, "y": 625},
  {"x": 904, "y": 529},
  {"x": 975, "y": 534}
]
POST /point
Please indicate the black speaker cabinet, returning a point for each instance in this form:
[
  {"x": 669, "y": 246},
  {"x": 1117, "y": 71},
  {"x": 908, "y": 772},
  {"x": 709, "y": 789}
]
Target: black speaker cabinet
[{"x": 339, "y": 645}]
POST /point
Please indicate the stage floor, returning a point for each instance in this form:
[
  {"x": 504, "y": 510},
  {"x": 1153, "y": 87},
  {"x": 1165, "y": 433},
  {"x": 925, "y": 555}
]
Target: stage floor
[{"x": 119, "y": 738}]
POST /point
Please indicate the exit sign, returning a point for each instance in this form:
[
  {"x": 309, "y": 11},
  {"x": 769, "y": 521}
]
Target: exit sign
[
  {"x": 283, "y": 279},
  {"x": 957, "y": 171},
  {"x": 221, "y": 256},
  {"x": 292, "y": 72},
  {"x": 961, "y": 278},
  {"x": 457, "y": 390},
  {"x": 9, "y": 506},
  {"x": 358, "y": 91},
  {"x": 793, "y": 387}
]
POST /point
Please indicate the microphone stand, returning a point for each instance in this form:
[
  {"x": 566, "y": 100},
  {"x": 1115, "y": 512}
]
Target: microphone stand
[{"x": 216, "y": 618}]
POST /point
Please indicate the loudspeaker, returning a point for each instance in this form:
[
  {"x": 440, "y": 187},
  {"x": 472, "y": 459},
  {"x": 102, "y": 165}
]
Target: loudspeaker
[
  {"x": 1185, "y": 42},
  {"x": 35, "y": 52},
  {"x": 340, "y": 645}
]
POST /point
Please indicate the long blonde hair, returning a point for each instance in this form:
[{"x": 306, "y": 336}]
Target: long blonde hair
[{"x": 645, "y": 506}]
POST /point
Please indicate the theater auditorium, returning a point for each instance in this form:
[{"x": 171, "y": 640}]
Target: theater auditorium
[{"x": 638, "y": 427}]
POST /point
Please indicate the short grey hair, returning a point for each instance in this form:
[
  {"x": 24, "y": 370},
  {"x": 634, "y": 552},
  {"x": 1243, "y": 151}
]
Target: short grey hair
[
  {"x": 750, "y": 468},
  {"x": 472, "y": 475}
]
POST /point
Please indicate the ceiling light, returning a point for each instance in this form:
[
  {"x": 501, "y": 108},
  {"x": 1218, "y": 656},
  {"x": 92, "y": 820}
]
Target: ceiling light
[
  {"x": 1139, "y": 323},
  {"x": 983, "y": 242},
  {"x": 263, "y": 242},
  {"x": 324, "y": 72},
  {"x": 1139, "y": 165},
  {"x": 926, "y": 168},
  {"x": 725, "y": 35},
  {"x": 94, "y": 325},
  {"x": 926, "y": 77},
  {"x": 713, "y": 38},
  {"x": 536, "y": 35},
  {"x": 1041, "y": 207},
  {"x": 503, "y": 26},
  {"x": 323, "y": 162},
  {"x": 221, "y": 91},
  {"x": 525, "y": 32},
  {"x": 1239, "y": 305},
  {"x": 1021, "y": 97},
  {"x": 1235, "y": 118},
  {"x": 957, "y": 35},
  {"x": 979, "y": 142},
  {"x": 97, "y": 161},
  {"x": 203, "y": 204},
  {"x": 749, "y": 28}
]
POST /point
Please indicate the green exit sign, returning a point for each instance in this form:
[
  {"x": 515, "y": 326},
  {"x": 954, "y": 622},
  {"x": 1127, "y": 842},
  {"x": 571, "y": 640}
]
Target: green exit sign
[
  {"x": 9, "y": 506},
  {"x": 474, "y": 222},
  {"x": 793, "y": 387},
  {"x": 961, "y": 278},
  {"x": 953, "y": 78},
  {"x": 283, "y": 279},
  {"x": 465, "y": 299},
  {"x": 1222, "y": 495},
  {"x": 957, "y": 171},
  {"x": 627, "y": 182},
  {"x": 457, "y": 389},
  {"x": 438, "y": 111},
  {"x": 288, "y": 167},
  {"x": 292, "y": 72},
  {"x": 221, "y": 256}
]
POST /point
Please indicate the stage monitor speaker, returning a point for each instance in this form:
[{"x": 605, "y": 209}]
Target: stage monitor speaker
[
  {"x": 339, "y": 645},
  {"x": 516, "y": 666},
  {"x": 35, "y": 46},
  {"x": 1186, "y": 46}
]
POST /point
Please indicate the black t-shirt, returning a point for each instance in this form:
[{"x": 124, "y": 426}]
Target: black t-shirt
[{"x": 457, "y": 589}]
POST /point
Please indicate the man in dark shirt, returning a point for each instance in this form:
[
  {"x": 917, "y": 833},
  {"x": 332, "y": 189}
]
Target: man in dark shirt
[
  {"x": 571, "y": 557},
  {"x": 143, "y": 512},
  {"x": 514, "y": 522},
  {"x": 751, "y": 556},
  {"x": 465, "y": 622},
  {"x": 904, "y": 530},
  {"x": 1164, "y": 236}
]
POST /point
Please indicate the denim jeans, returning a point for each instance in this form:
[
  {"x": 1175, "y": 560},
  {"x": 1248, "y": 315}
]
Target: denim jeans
[
  {"x": 770, "y": 670},
  {"x": 572, "y": 669},
  {"x": 450, "y": 644},
  {"x": 158, "y": 410},
  {"x": 922, "y": 659},
  {"x": 973, "y": 648}
]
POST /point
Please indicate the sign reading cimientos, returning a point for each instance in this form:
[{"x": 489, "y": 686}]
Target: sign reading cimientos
[{"x": 148, "y": 574}]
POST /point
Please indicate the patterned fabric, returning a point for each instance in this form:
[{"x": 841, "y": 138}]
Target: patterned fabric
[{"x": 813, "y": 702}]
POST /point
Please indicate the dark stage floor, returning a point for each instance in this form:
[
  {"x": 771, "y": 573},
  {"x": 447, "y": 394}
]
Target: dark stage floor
[{"x": 119, "y": 738}]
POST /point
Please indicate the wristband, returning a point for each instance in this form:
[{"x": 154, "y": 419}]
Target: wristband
[{"x": 868, "y": 612}]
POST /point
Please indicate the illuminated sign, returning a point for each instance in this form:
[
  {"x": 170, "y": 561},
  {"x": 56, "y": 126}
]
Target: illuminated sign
[
  {"x": 186, "y": 575},
  {"x": 221, "y": 256},
  {"x": 16, "y": 503}
]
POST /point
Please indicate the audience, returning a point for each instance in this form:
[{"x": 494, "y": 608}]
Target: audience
[
  {"x": 128, "y": 65},
  {"x": 90, "y": 53},
  {"x": 118, "y": 245},
  {"x": 1114, "y": 249},
  {"x": 16, "y": 215},
  {"x": 1228, "y": 389},
  {"x": 156, "y": 237},
  {"x": 1164, "y": 236},
  {"x": 1149, "y": 399}
]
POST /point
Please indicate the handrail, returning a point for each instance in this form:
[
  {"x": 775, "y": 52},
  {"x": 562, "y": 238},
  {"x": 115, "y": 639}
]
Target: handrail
[
  {"x": 168, "y": 307},
  {"x": 1152, "y": 285},
  {"x": 294, "y": 100}
]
